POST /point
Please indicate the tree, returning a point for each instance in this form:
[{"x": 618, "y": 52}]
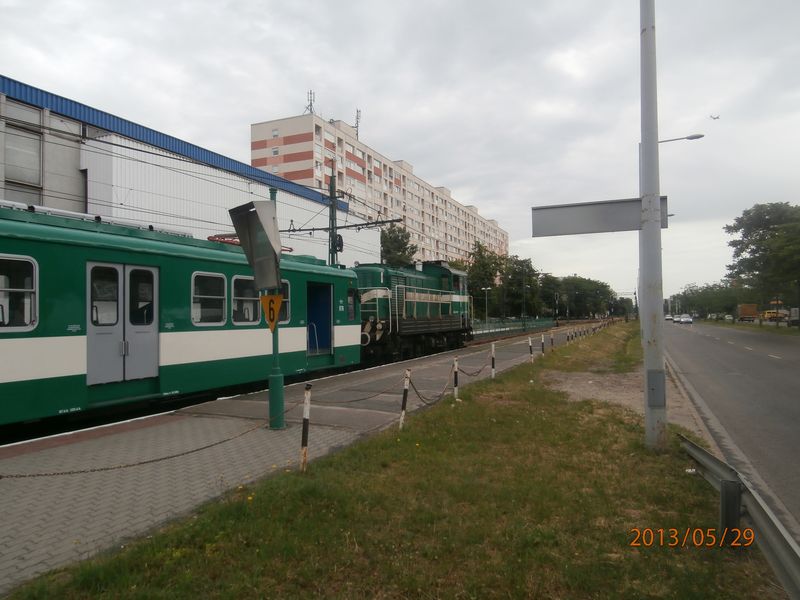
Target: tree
[
  {"x": 484, "y": 266},
  {"x": 518, "y": 286},
  {"x": 395, "y": 248},
  {"x": 765, "y": 255}
]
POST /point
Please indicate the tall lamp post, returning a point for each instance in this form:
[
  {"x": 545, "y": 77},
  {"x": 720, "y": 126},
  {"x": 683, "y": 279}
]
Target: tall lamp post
[
  {"x": 651, "y": 294},
  {"x": 486, "y": 303},
  {"x": 525, "y": 289}
]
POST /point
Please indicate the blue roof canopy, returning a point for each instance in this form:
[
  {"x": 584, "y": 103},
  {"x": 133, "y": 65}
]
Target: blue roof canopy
[{"x": 97, "y": 118}]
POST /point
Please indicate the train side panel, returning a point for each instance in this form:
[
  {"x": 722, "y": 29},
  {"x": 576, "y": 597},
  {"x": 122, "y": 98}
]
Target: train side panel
[{"x": 95, "y": 315}]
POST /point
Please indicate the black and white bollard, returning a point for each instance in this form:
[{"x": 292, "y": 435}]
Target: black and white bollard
[
  {"x": 551, "y": 340},
  {"x": 306, "y": 417},
  {"x": 542, "y": 343},
  {"x": 530, "y": 347},
  {"x": 455, "y": 379},
  {"x": 406, "y": 381},
  {"x": 493, "y": 369}
]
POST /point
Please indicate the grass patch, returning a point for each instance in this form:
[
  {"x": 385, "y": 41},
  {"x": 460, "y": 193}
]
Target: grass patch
[
  {"x": 513, "y": 492},
  {"x": 616, "y": 349}
]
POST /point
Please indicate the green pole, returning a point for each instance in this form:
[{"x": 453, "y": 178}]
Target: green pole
[{"x": 276, "y": 416}]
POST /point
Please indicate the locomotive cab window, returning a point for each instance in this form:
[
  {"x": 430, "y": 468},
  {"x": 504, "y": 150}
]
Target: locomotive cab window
[
  {"x": 17, "y": 294},
  {"x": 245, "y": 305},
  {"x": 208, "y": 299}
]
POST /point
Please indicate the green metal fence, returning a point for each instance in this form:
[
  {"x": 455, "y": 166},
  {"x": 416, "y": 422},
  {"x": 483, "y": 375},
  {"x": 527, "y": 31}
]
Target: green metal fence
[{"x": 496, "y": 326}]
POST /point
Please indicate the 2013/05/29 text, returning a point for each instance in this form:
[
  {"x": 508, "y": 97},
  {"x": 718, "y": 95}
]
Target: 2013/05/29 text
[{"x": 697, "y": 537}]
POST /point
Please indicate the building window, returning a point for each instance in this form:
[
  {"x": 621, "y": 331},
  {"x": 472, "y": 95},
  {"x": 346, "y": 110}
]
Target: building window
[
  {"x": 244, "y": 301},
  {"x": 275, "y": 151},
  {"x": 274, "y": 133},
  {"x": 17, "y": 293},
  {"x": 208, "y": 299}
]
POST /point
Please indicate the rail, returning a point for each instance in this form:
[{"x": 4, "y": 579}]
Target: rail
[{"x": 777, "y": 544}]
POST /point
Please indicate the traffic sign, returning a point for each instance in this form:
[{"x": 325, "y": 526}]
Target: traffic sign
[{"x": 272, "y": 309}]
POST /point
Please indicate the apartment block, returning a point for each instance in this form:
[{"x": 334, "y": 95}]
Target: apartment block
[{"x": 303, "y": 148}]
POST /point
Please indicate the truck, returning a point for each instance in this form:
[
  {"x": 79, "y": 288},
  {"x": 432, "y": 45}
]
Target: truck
[
  {"x": 747, "y": 312},
  {"x": 778, "y": 316}
]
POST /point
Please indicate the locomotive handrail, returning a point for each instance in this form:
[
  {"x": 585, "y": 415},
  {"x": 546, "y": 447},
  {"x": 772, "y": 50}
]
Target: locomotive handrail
[
  {"x": 434, "y": 296},
  {"x": 375, "y": 300}
]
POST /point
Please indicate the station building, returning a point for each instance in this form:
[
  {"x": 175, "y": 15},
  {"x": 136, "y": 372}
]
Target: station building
[
  {"x": 303, "y": 148},
  {"x": 59, "y": 155}
]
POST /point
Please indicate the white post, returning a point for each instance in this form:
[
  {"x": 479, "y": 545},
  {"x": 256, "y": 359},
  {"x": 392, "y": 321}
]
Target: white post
[{"x": 650, "y": 296}]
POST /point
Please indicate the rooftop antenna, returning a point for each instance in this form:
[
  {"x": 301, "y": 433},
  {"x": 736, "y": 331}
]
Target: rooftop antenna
[
  {"x": 358, "y": 120},
  {"x": 310, "y": 108}
]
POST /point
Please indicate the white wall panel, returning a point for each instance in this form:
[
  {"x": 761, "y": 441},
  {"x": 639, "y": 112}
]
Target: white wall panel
[{"x": 136, "y": 181}]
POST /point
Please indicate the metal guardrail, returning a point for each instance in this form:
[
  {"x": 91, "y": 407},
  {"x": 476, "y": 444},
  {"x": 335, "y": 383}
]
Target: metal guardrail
[{"x": 777, "y": 544}]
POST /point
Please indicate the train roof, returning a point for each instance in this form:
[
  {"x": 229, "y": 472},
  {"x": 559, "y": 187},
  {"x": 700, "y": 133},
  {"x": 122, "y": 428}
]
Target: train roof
[{"x": 34, "y": 222}]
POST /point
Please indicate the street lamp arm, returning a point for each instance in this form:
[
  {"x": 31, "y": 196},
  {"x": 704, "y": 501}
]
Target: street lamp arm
[{"x": 694, "y": 136}]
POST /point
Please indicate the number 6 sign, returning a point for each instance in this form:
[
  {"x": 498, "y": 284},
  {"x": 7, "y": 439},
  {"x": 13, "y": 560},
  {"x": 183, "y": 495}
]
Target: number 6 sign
[{"x": 272, "y": 309}]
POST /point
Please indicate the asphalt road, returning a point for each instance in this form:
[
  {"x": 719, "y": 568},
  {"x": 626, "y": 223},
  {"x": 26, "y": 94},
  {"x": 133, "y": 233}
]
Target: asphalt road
[{"x": 750, "y": 381}]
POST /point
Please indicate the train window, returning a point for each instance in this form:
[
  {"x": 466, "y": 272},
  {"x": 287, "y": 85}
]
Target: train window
[
  {"x": 105, "y": 296},
  {"x": 245, "y": 301},
  {"x": 351, "y": 305},
  {"x": 140, "y": 300},
  {"x": 285, "y": 314},
  {"x": 208, "y": 299},
  {"x": 17, "y": 293}
]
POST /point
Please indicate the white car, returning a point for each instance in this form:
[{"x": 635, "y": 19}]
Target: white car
[
  {"x": 668, "y": 318},
  {"x": 686, "y": 319}
]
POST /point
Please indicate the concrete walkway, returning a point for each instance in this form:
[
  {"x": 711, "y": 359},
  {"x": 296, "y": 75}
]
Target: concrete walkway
[{"x": 67, "y": 498}]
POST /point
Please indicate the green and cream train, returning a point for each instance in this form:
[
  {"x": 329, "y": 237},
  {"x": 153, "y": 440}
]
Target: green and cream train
[{"x": 94, "y": 314}]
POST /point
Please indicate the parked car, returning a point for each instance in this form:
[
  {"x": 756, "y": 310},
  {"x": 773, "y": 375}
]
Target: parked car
[
  {"x": 668, "y": 318},
  {"x": 686, "y": 319},
  {"x": 729, "y": 318}
]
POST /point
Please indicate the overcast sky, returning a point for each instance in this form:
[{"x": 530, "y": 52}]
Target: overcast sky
[{"x": 508, "y": 104}]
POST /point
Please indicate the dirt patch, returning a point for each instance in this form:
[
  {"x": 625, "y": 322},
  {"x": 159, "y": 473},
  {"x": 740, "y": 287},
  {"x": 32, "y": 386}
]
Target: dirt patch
[{"x": 627, "y": 390}]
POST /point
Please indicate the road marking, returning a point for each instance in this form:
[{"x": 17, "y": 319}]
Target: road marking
[
  {"x": 716, "y": 338},
  {"x": 730, "y": 342},
  {"x": 747, "y": 348},
  {"x": 773, "y": 356}
]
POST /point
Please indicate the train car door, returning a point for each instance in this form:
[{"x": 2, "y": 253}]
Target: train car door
[
  {"x": 320, "y": 318},
  {"x": 121, "y": 323},
  {"x": 141, "y": 322}
]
